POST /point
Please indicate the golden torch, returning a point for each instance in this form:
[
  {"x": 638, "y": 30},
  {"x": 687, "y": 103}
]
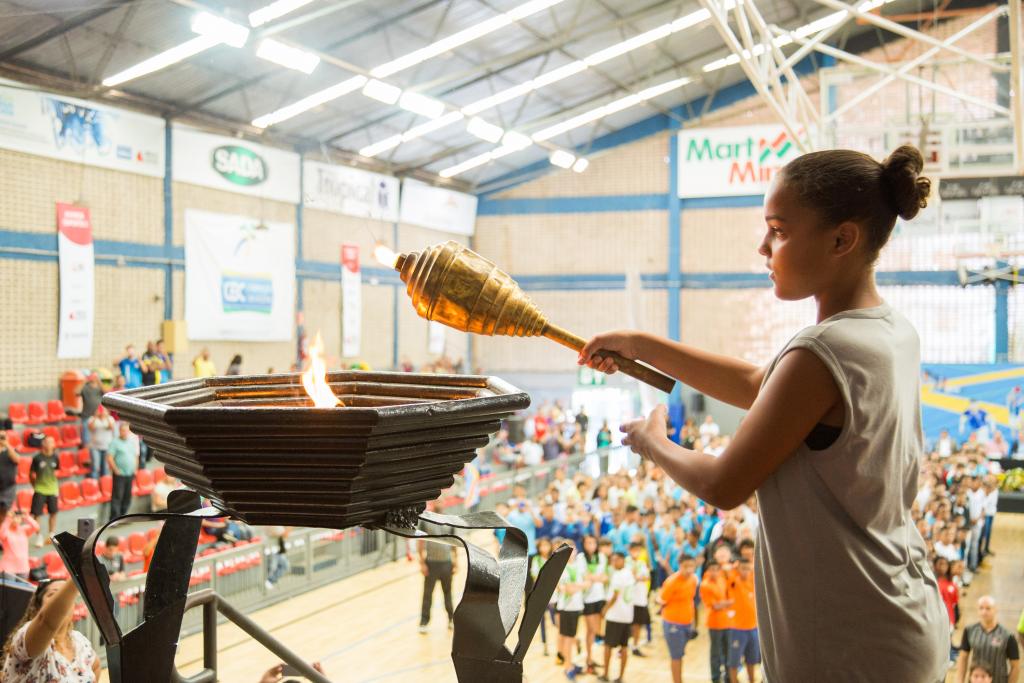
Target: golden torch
[{"x": 460, "y": 288}]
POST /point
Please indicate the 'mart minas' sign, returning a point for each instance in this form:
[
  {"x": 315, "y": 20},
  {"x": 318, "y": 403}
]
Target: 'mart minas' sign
[{"x": 727, "y": 162}]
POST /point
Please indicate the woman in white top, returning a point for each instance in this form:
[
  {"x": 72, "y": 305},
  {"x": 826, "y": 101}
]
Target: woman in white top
[
  {"x": 832, "y": 442},
  {"x": 44, "y": 647},
  {"x": 101, "y": 433}
]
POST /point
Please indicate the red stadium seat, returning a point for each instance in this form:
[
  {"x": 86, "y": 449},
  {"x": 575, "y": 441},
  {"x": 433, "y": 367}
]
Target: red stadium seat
[
  {"x": 25, "y": 500},
  {"x": 71, "y": 436},
  {"x": 91, "y": 494},
  {"x": 55, "y": 566},
  {"x": 55, "y": 433},
  {"x": 36, "y": 413},
  {"x": 143, "y": 484},
  {"x": 136, "y": 544},
  {"x": 17, "y": 442},
  {"x": 107, "y": 487},
  {"x": 70, "y": 495},
  {"x": 84, "y": 461},
  {"x": 24, "y": 465},
  {"x": 67, "y": 467},
  {"x": 159, "y": 474},
  {"x": 55, "y": 412},
  {"x": 17, "y": 413}
]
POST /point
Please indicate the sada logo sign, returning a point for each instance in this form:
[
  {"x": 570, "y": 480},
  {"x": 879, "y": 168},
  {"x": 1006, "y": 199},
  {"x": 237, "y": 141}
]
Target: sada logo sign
[{"x": 239, "y": 165}]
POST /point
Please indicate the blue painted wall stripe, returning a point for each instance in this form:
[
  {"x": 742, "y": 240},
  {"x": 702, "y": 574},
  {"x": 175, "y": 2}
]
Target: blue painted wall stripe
[{"x": 595, "y": 204}]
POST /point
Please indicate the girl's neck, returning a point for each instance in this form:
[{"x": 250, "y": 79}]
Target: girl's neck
[{"x": 857, "y": 293}]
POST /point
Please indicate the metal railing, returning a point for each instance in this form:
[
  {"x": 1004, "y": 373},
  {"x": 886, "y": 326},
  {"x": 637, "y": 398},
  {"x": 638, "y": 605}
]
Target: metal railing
[{"x": 316, "y": 557}]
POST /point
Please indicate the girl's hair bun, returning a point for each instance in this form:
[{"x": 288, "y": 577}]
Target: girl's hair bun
[{"x": 906, "y": 191}]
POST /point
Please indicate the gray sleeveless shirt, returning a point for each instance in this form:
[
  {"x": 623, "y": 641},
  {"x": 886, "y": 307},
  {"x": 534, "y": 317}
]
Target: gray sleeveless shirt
[{"x": 844, "y": 591}]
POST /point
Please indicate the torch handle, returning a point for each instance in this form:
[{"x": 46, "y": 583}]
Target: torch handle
[{"x": 644, "y": 373}]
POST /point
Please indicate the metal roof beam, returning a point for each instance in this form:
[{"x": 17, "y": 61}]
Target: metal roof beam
[{"x": 60, "y": 29}]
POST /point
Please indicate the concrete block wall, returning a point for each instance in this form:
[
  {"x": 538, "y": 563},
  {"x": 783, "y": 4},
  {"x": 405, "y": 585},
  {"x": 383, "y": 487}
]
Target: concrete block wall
[{"x": 129, "y": 298}]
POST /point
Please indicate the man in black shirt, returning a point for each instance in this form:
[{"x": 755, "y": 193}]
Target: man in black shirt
[
  {"x": 8, "y": 476},
  {"x": 989, "y": 643}
]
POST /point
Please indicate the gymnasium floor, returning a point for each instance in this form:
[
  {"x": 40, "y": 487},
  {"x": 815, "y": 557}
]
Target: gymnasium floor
[{"x": 363, "y": 629}]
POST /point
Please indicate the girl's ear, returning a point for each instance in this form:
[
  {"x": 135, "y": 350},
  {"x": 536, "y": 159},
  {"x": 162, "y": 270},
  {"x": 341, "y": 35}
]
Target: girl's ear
[{"x": 846, "y": 236}]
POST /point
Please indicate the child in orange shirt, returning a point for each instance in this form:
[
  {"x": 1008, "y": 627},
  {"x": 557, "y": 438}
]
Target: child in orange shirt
[
  {"x": 677, "y": 596},
  {"x": 714, "y": 594},
  {"x": 743, "y": 641}
]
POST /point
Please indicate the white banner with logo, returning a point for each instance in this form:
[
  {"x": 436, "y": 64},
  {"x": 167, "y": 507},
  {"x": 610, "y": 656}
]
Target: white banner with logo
[
  {"x": 438, "y": 208},
  {"x": 350, "y": 191},
  {"x": 351, "y": 301},
  {"x": 76, "y": 265},
  {"x": 239, "y": 278},
  {"x": 234, "y": 165},
  {"x": 83, "y": 132},
  {"x": 731, "y": 162}
]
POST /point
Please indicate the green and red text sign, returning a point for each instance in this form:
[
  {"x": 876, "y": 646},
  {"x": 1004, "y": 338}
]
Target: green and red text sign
[{"x": 728, "y": 162}]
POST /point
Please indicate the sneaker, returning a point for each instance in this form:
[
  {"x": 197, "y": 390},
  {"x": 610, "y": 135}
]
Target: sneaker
[
  {"x": 268, "y": 585},
  {"x": 423, "y": 628},
  {"x": 619, "y": 680},
  {"x": 559, "y": 659},
  {"x": 637, "y": 653},
  {"x": 603, "y": 678}
]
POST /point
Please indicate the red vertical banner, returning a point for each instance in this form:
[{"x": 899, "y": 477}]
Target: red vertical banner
[
  {"x": 77, "y": 284},
  {"x": 351, "y": 301}
]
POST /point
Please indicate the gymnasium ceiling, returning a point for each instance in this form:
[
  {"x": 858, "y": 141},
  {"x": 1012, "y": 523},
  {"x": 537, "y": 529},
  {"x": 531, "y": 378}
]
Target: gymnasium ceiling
[{"x": 72, "y": 46}]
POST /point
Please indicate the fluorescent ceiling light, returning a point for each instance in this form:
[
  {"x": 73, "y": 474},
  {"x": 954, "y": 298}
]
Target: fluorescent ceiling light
[
  {"x": 581, "y": 165},
  {"x": 562, "y": 159},
  {"x": 228, "y": 32},
  {"x": 287, "y": 56},
  {"x": 610, "y": 108},
  {"x": 421, "y": 104},
  {"x": 416, "y": 131},
  {"x": 381, "y": 91},
  {"x": 461, "y": 38},
  {"x": 275, "y": 10},
  {"x": 629, "y": 45},
  {"x": 163, "y": 60},
  {"x": 515, "y": 140},
  {"x": 310, "y": 102},
  {"x": 464, "y": 166},
  {"x": 484, "y": 130}
]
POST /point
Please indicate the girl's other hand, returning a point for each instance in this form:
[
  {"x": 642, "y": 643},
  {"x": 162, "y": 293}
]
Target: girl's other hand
[{"x": 623, "y": 342}]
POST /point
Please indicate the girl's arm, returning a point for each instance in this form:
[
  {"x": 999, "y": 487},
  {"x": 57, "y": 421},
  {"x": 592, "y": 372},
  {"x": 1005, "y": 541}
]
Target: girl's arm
[
  {"x": 725, "y": 378},
  {"x": 799, "y": 393},
  {"x": 51, "y": 617}
]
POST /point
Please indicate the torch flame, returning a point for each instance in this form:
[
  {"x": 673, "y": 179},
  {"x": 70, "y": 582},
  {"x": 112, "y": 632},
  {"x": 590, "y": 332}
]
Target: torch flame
[
  {"x": 385, "y": 256},
  {"x": 315, "y": 378}
]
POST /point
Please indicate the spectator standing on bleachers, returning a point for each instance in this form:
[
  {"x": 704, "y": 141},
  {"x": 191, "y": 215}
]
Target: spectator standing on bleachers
[
  {"x": 113, "y": 560},
  {"x": 235, "y": 366},
  {"x": 130, "y": 368},
  {"x": 15, "y": 532},
  {"x": 202, "y": 366},
  {"x": 43, "y": 475},
  {"x": 166, "y": 363},
  {"x": 91, "y": 393},
  {"x": 150, "y": 365},
  {"x": 44, "y": 646},
  {"x": 123, "y": 459},
  {"x": 277, "y": 559},
  {"x": 8, "y": 476},
  {"x": 582, "y": 425},
  {"x": 709, "y": 430},
  {"x": 604, "y": 436},
  {"x": 988, "y": 642},
  {"x": 101, "y": 428}
]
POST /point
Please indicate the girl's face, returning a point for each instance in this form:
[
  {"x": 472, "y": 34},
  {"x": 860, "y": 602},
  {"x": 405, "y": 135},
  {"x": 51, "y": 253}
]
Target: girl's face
[
  {"x": 799, "y": 251},
  {"x": 590, "y": 545},
  {"x": 544, "y": 547},
  {"x": 979, "y": 676}
]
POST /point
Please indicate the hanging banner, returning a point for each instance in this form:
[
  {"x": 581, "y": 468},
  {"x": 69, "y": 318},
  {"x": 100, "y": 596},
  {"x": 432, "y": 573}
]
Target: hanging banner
[
  {"x": 350, "y": 191},
  {"x": 80, "y": 131},
  {"x": 435, "y": 337},
  {"x": 731, "y": 162},
  {"x": 438, "y": 208},
  {"x": 239, "y": 278},
  {"x": 351, "y": 301},
  {"x": 235, "y": 165},
  {"x": 76, "y": 268},
  {"x": 976, "y": 188}
]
